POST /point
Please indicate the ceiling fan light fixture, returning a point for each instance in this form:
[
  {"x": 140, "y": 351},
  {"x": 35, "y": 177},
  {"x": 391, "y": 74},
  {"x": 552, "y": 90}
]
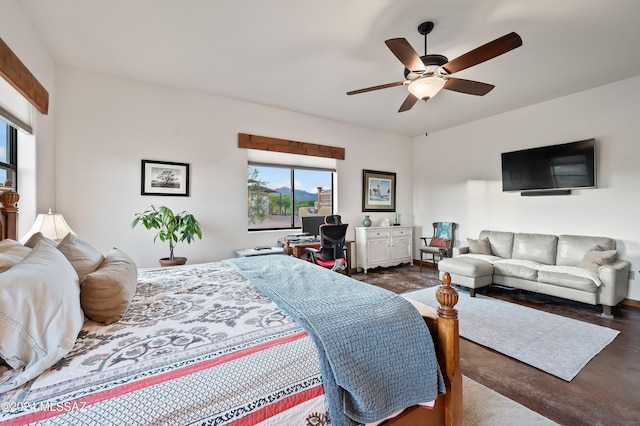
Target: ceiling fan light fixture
[{"x": 426, "y": 87}]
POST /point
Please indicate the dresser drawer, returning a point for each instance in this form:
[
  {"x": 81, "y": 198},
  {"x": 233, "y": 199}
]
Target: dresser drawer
[
  {"x": 401, "y": 232},
  {"x": 378, "y": 233}
]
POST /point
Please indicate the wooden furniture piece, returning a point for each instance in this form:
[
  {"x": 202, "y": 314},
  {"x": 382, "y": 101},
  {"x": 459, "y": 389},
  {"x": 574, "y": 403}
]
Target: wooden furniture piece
[
  {"x": 9, "y": 214},
  {"x": 443, "y": 327},
  {"x": 383, "y": 246},
  {"x": 438, "y": 246}
]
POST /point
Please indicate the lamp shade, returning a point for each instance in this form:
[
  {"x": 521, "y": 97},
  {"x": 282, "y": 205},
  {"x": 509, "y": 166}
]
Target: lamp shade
[
  {"x": 51, "y": 225},
  {"x": 426, "y": 87}
]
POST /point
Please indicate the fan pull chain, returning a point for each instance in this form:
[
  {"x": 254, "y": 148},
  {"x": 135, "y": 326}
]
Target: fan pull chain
[{"x": 426, "y": 121}]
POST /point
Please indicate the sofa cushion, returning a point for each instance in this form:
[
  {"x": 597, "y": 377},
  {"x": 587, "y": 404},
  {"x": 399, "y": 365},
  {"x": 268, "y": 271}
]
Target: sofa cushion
[
  {"x": 567, "y": 280},
  {"x": 501, "y": 242},
  {"x": 465, "y": 266},
  {"x": 539, "y": 248},
  {"x": 572, "y": 248},
  {"x": 511, "y": 269},
  {"x": 595, "y": 258},
  {"x": 480, "y": 246}
]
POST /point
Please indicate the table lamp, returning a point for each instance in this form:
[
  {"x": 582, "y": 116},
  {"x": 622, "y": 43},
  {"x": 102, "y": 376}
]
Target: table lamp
[{"x": 51, "y": 225}]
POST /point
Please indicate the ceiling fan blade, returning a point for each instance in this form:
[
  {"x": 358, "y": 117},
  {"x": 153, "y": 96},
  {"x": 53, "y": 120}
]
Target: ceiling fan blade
[
  {"x": 469, "y": 87},
  {"x": 483, "y": 53},
  {"x": 382, "y": 86},
  {"x": 408, "y": 103},
  {"x": 405, "y": 53}
]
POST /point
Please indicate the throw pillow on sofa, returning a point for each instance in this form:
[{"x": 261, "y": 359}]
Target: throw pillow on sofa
[
  {"x": 481, "y": 246},
  {"x": 595, "y": 258}
]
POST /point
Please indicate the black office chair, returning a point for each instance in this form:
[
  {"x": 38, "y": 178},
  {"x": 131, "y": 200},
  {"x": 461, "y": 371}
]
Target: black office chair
[{"x": 332, "y": 251}]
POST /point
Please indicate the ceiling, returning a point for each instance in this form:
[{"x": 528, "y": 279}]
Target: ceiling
[{"x": 304, "y": 56}]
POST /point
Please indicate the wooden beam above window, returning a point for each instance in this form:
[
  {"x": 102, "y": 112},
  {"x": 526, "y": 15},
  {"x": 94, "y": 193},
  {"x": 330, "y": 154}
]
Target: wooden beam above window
[
  {"x": 265, "y": 143},
  {"x": 17, "y": 75}
]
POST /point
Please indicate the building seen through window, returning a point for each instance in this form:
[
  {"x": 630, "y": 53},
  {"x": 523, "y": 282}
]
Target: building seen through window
[{"x": 278, "y": 196}]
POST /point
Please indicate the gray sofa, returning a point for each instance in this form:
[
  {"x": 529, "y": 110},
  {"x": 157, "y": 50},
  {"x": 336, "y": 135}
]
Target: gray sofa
[{"x": 580, "y": 268}]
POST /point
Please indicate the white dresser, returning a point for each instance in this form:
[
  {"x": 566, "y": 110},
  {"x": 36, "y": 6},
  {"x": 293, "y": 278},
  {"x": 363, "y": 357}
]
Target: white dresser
[{"x": 383, "y": 246}]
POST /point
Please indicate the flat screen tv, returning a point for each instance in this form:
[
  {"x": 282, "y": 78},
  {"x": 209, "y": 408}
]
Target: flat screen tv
[{"x": 556, "y": 167}]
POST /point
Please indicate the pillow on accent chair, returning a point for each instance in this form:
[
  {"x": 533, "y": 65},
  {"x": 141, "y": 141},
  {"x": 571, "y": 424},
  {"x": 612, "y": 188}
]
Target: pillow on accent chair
[
  {"x": 596, "y": 257},
  {"x": 481, "y": 246},
  {"x": 11, "y": 253},
  {"x": 82, "y": 256},
  {"x": 106, "y": 294},
  {"x": 439, "y": 242},
  {"x": 40, "y": 314}
]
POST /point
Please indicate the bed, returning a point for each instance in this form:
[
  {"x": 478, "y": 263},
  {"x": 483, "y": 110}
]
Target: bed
[{"x": 203, "y": 344}]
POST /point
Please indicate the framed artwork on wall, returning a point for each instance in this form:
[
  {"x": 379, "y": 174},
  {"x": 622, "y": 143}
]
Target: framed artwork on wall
[
  {"x": 378, "y": 191},
  {"x": 165, "y": 178}
]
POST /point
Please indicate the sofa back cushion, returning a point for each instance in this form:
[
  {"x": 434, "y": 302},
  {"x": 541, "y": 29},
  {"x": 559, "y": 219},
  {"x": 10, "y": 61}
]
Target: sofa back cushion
[
  {"x": 501, "y": 242},
  {"x": 572, "y": 248},
  {"x": 539, "y": 248}
]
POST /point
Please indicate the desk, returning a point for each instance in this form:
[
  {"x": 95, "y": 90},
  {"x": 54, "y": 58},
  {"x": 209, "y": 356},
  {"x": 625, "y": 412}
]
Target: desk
[{"x": 298, "y": 250}]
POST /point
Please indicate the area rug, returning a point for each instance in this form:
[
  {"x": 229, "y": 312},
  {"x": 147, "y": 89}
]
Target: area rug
[
  {"x": 557, "y": 345},
  {"x": 485, "y": 407}
]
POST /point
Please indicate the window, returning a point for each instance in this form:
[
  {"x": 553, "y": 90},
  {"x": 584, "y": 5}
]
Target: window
[
  {"x": 279, "y": 195},
  {"x": 8, "y": 153}
]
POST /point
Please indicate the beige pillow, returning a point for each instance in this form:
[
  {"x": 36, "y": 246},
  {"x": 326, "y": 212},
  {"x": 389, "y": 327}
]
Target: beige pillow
[
  {"x": 11, "y": 252},
  {"x": 595, "y": 258},
  {"x": 40, "y": 314},
  {"x": 481, "y": 246},
  {"x": 82, "y": 256},
  {"x": 106, "y": 294},
  {"x": 33, "y": 240}
]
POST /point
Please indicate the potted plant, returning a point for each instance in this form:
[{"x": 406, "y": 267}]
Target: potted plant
[{"x": 172, "y": 227}]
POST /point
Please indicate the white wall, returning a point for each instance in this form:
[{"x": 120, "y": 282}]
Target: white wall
[
  {"x": 462, "y": 182},
  {"x": 37, "y": 152},
  {"x": 106, "y": 125}
]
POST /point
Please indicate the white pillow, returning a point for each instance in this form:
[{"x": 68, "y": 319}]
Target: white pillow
[
  {"x": 11, "y": 252},
  {"x": 40, "y": 314},
  {"x": 83, "y": 257}
]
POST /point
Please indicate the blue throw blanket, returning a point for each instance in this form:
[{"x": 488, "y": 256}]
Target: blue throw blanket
[{"x": 376, "y": 353}]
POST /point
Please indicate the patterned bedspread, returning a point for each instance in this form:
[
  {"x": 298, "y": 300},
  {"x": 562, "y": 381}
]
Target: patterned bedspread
[{"x": 199, "y": 345}]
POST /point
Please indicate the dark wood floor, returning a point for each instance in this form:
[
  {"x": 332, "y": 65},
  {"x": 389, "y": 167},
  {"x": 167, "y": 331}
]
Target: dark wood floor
[{"x": 605, "y": 392}]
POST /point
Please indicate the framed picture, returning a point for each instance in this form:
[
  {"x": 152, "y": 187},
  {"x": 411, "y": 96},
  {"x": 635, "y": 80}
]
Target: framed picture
[
  {"x": 378, "y": 191},
  {"x": 165, "y": 178}
]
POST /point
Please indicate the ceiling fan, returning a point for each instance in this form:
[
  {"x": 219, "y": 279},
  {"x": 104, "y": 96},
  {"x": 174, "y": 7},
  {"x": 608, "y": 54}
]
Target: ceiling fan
[{"x": 426, "y": 75}]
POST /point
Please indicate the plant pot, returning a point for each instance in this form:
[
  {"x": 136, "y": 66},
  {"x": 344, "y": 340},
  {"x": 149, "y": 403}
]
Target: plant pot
[{"x": 175, "y": 262}]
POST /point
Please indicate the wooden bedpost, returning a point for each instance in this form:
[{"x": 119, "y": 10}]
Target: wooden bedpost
[
  {"x": 449, "y": 347},
  {"x": 9, "y": 214}
]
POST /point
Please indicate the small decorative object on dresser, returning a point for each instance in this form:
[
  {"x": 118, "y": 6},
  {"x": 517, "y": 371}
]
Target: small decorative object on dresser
[
  {"x": 366, "y": 222},
  {"x": 171, "y": 227}
]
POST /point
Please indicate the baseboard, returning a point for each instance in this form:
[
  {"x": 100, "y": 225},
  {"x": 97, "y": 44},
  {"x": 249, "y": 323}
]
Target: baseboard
[{"x": 631, "y": 302}]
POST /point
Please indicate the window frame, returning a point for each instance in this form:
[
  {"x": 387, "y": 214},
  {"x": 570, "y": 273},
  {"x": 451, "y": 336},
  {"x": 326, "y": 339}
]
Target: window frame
[
  {"x": 12, "y": 154},
  {"x": 292, "y": 169}
]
